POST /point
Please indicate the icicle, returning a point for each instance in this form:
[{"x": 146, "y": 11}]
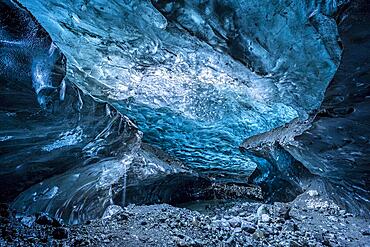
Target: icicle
[{"x": 124, "y": 182}]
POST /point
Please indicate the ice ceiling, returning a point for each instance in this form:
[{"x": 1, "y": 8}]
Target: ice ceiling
[{"x": 198, "y": 77}]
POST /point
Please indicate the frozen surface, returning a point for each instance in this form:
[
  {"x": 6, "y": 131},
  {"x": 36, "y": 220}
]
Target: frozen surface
[
  {"x": 196, "y": 77},
  {"x": 199, "y": 76},
  {"x": 334, "y": 144},
  {"x": 70, "y": 155}
]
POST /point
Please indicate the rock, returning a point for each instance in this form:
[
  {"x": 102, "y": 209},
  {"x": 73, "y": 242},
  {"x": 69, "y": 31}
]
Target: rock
[
  {"x": 333, "y": 218},
  {"x": 112, "y": 210},
  {"x": 114, "y": 232},
  {"x": 282, "y": 210},
  {"x": 195, "y": 222},
  {"x": 186, "y": 241},
  {"x": 8, "y": 234},
  {"x": 235, "y": 222},
  {"x": 294, "y": 213},
  {"x": 312, "y": 193},
  {"x": 293, "y": 243},
  {"x": 60, "y": 233},
  {"x": 248, "y": 227},
  {"x": 326, "y": 242},
  {"x": 81, "y": 242},
  {"x": 28, "y": 220},
  {"x": 122, "y": 216},
  {"x": 44, "y": 219},
  {"x": 230, "y": 239},
  {"x": 57, "y": 222},
  {"x": 347, "y": 215},
  {"x": 290, "y": 226},
  {"x": 4, "y": 210},
  {"x": 258, "y": 234},
  {"x": 261, "y": 210},
  {"x": 319, "y": 237},
  {"x": 237, "y": 230},
  {"x": 265, "y": 218},
  {"x": 342, "y": 212}
]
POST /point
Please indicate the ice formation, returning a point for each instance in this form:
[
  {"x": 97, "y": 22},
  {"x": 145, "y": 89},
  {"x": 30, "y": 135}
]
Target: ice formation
[
  {"x": 194, "y": 79},
  {"x": 198, "y": 77}
]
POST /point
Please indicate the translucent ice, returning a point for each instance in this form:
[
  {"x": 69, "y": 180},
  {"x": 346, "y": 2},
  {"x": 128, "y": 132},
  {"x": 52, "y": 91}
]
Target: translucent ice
[{"x": 199, "y": 76}]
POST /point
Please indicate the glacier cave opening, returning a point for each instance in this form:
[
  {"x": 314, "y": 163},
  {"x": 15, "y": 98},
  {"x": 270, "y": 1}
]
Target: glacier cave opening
[{"x": 110, "y": 103}]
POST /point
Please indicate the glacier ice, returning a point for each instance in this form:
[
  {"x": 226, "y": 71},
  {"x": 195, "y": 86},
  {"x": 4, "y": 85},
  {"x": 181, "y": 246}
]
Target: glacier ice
[
  {"x": 84, "y": 193},
  {"x": 336, "y": 146},
  {"x": 70, "y": 154},
  {"x": 334, "y": 143},
  {"x": 195, "y": 77},
  {"x": 198, "y": 77}
]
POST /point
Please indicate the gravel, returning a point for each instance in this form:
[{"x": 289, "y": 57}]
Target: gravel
[{"x": 313, "y": 221}]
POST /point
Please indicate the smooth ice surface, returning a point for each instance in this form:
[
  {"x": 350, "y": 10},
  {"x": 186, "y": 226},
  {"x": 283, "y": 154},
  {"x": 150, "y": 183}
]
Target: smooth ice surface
[{"x": 198, "y": 76}]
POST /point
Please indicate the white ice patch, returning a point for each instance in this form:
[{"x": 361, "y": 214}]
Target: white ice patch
[
  {"x": 11, "y": 114},
  {"x": 52, "y": 192},
  {"x": 113, "y": 171},
  {"x": 112, "y": 210},
  {"x": 48, "y": 193},
  {"x": 5, "y": 138},
  {"x": 68, "y": 138}
]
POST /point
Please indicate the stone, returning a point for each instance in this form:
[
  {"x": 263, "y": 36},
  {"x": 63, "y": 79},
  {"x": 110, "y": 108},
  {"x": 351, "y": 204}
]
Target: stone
[
  {"x": 28, "y": 220},
  {"x": 293, "y": 243},
  {"x": 290, "y": 226},
  {"x": 60, "y": 233},
  {"x": 248, "y": 227},
  {"x": 112, "y": 210},
  {"x": 261, "y": 210},
  {"x": 312, "y": 193},
  {"x": 4, "y": 210},
  {"x": 258, "y": 234},
  {"x": 44, "y": 219},
  {"x": 235, "y": 222},
  {"x": 265, "y": 218}
]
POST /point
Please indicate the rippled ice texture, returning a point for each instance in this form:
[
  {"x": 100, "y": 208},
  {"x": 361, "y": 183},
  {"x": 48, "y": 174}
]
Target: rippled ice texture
[{"x": 198, "y": 76}]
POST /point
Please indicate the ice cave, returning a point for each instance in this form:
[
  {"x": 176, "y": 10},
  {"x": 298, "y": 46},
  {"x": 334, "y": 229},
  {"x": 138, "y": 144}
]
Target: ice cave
[{"x": 185, "y": 123}]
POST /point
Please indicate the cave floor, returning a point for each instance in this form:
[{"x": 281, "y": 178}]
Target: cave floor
[{"x": 310, "y": 220}]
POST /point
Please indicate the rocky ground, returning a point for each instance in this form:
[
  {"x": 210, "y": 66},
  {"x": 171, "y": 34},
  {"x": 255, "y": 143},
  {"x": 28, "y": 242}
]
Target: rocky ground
[{"x": 310, "y": 220}]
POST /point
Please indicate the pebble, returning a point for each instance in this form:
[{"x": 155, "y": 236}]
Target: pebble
[
  {"x": 268, "y": 229},
  {"x": 44, "y": 219},
  {"x": 235, "y": 222},
  {"x": 258, "y": 234},
  {"x": 112, "y": 210},
  {"x": 28, "y": 220},
  {"x": 312, "y": 193},
  {"x": 265, "y": 218},
  {"x": 60, "y": 233},
  {"x": 248, "y": 227},
  {"x": 261, "y": 210}
]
